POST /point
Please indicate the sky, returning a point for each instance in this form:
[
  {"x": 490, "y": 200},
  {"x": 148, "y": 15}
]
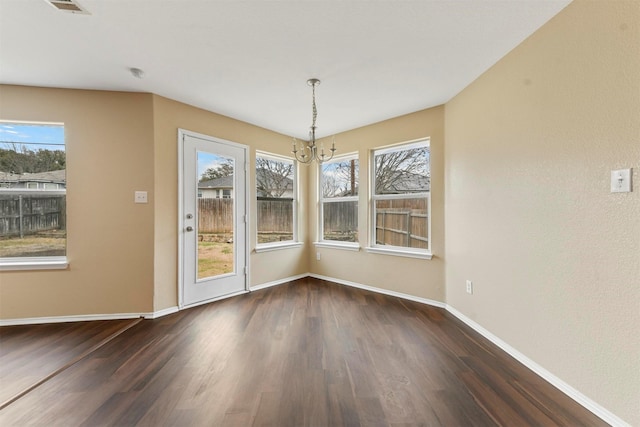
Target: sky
[
  {"x": 31, "y": 137},
  {"x": 209, "y": 160},
  {"x": 329, "y": 169},
  {"x": 338, "y": 181}
]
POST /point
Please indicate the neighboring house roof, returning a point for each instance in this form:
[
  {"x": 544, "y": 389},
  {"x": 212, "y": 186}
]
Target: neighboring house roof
[
  {"x": 222, "y": 182},
  {"x": 404, "y": 182},
  {"x": 58, "y": 177},
  {"x": 347, "y": 193},
  {"x": 275, "y": 181}
]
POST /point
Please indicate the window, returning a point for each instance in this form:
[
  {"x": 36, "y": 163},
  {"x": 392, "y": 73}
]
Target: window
[
  {"x": 400, "y": 200},
  {"x": 276, "y": 200},
  {"x": 33, "y": 231},
  {"x": 339, "y": 200}
]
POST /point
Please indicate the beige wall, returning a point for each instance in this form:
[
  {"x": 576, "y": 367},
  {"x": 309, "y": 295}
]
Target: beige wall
[
  {"x": 124, "y": 256},
  {"x": 109, "y": 147},
  {"x": 554, "y": 256},
  {"x": 169, "y": 117},
  {"x": 417, "y": 277}
]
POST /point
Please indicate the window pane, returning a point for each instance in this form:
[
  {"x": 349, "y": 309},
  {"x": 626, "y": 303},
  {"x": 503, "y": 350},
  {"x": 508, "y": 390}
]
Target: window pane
[
  {"x": 215, "y": 215},
  {"x": 402, "y": 222},
  {"x": 275, "y": 191},
  {"x": 340, "y": 178},
  {"x": 402, "y": 171},
  {"x": 340, "y": 221},
  {"x": 32, "y": 190}
]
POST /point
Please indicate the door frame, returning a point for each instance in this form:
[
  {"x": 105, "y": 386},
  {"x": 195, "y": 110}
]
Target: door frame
[{"x": 182, "y": 133}]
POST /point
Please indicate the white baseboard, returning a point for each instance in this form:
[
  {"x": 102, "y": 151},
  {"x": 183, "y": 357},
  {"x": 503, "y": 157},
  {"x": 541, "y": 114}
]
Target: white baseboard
[
  {"x": 278, "y": 282},
  {"x": 574, "y": 394},
  {"x": 380, "y": 290},
  {"x": 161, "y": 313},
  {"x": 62, "y": 319},
  {"x": 86, "y": 317}
]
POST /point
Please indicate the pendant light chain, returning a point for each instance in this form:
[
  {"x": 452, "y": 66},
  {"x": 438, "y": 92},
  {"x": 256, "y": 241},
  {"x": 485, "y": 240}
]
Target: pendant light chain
[
  {"x": 308, "y": 152},
  {"x": 314, "y": 115}
]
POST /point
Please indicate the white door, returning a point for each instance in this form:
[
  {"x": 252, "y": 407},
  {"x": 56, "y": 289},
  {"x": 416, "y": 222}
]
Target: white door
[{"x": 213, "y": 221}]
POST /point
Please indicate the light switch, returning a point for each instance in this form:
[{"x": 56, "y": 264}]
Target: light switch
[
  {"x": 140, "y": 197},
  {"x": 621, "y": 181}
]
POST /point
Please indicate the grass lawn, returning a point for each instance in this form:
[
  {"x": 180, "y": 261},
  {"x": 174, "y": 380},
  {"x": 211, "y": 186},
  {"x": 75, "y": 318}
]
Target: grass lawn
[
  {"x": 51, "y": 244},
  {"x": 214, "y": 258}
]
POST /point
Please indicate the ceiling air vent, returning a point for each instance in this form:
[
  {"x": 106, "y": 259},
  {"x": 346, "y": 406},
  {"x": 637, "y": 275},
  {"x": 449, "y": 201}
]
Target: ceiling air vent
[{"x": 68, "y": 6}]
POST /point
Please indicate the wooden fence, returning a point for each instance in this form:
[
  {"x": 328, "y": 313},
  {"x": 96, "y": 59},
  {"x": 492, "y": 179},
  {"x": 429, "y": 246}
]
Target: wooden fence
[
  {"x": 402, "y": 223},
  {"x": 340, "y": 217},
  {"x": 275, "y": 215},
  {"x": 215, "y": 215},
  {"x": 26, "y": 214}
]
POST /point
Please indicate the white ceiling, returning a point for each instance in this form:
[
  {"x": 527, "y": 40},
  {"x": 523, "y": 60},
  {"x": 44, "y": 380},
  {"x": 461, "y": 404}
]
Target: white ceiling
[{"x": 250, "y": 60}]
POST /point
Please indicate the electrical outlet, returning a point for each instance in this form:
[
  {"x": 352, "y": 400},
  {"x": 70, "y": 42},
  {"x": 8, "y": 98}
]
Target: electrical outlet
[
  {"x": 318, "y": 256},
  {"x": 469, "y": 287},
  {"x": 140, "y": 197}
]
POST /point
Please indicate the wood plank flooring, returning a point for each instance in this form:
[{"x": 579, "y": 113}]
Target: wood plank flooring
[
  {"x": 306, "y": 353},
  {"x": 30, "y": 353}
]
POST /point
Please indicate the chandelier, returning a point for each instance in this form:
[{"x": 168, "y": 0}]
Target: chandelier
[{"x": 307, "y": 152}]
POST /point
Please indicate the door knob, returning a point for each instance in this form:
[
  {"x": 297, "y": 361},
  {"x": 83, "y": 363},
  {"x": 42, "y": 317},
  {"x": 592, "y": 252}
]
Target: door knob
[{"x": 189, "y": 228}]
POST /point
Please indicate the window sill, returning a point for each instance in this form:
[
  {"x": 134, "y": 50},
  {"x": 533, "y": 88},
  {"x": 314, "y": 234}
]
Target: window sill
[
  {"x": 52, "y": 263},
  {"x": 277, "y": 246},
  {"x": 399, "y": 252},
  {"x": 347, "y": 246}
]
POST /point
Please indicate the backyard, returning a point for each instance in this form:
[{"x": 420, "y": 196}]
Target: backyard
[
  {"x": 215, "y": 255},
  {"x": 50, "y": 243}
]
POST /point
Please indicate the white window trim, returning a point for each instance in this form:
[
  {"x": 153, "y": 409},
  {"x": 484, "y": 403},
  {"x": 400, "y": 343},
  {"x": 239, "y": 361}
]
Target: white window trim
[
  {"x": 321, "y": 242},
  {"x": 396, "y": 251},
  {"x": 272, "y": 246},
  {"x": 34, "y": 263},
  {"x": 390, "y": 249},
  {"x": 275, "y": 246},
  {"x": 336, "y": 244}
]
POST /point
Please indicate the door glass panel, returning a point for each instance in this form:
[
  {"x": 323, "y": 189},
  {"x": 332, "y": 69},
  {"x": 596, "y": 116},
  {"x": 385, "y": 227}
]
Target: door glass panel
[{"x": 216, "y": 246}]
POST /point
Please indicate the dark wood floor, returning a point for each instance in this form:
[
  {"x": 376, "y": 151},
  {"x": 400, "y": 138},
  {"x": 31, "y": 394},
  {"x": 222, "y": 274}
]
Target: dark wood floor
[
  {"x": 29, "y": 354},
  {"x": 304, "y": 353}
]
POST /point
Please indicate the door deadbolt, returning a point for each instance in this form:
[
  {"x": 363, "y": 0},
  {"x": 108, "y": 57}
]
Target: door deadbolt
[{"x": 189, "y": 216}]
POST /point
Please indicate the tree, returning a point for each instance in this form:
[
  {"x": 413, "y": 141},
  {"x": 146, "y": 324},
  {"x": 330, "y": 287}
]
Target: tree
[
  {"x": 18, "y": 159},
  {"x": 273, "y": 177},
  {"x": 402, "y": 171},
  {"x": 330, "y": 186},
  {"x": 50, "y": 160},
  {"x": 340, "y": 179},
  {"x": 224, "y": 169}
]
